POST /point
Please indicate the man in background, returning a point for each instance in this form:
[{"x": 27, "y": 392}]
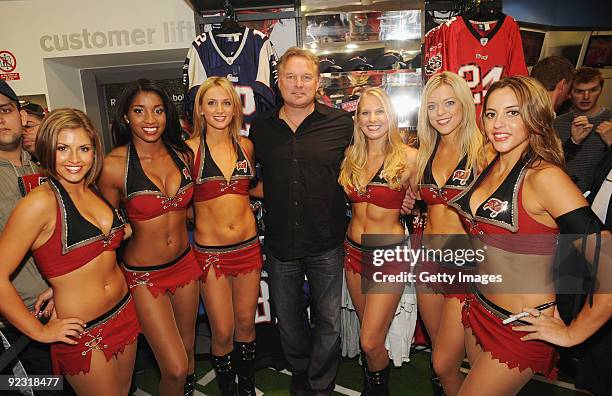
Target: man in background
[
  {"x": 14, "y": 164},
  {"x": 555, "y": 73},
  {"x": 581, "y": 128},
  {"x": 35, "y": 114},
  {"x": 586, "y": 133}
]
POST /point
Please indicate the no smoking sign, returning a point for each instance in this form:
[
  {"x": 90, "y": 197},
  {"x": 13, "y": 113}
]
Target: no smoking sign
[{"x": 8, "y": 63}]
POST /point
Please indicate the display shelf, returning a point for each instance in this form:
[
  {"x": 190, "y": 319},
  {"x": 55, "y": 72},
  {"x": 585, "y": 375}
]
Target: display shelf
[
  {"x": 341, "y": 35},
  {"x": 337, "y": 31},
  {"x": 341, "y": 90}
]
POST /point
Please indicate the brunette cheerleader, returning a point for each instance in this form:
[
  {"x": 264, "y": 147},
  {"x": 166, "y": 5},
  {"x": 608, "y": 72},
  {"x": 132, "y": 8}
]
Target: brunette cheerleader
[
  {"x": 149, "y": 174},
  {"x": 73, "y": 233},
  {"x": 514, "y": 208}
]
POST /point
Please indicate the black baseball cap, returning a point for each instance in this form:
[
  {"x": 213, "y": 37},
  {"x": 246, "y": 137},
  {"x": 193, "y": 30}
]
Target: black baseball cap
[
  {"x": 389, "y": 61},
  {"x": 327, "y": 65},
  {"x": 7, "y": 91},
  {"x": 34, "y": 109},
  {"x": 358, "y": 63}
]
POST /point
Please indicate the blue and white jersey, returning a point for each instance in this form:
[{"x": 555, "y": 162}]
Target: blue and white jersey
[{"x": 247, "y": 59}]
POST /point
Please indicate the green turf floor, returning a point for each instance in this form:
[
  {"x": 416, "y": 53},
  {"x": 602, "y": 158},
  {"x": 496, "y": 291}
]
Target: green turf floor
[{"x": 411, "y": 379}]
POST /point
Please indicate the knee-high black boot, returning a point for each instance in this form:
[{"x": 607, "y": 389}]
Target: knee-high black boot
[
  {"x": 377, "y": 382},
  {"x": 245, "y": 367},
  {"x": 438, "y": 389},
  {"x": 189, "y": 384},
  {"x": 226, "y": 374}
]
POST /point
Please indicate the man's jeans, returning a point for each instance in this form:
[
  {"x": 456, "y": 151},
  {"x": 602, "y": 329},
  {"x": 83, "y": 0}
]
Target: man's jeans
[{"x": 315, "y": 353}]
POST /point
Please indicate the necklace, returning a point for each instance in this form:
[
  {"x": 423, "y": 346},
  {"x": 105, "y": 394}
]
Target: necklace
[{"x": 292, "y": 124}]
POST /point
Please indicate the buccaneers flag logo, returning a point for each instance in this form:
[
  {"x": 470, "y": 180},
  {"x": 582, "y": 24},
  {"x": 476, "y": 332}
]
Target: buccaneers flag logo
[
  {"x": 461, "y": 175},
  {"x": 496, "y": 206},
  {"x": 241, "y": 166},
  {"x": 186, "y": 174}
]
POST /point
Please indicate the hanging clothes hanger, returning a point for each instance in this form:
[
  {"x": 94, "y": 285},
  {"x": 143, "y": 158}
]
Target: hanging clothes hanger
[
  {"x": 484, "y": 11},
  {"x": 230, "y": 24}
]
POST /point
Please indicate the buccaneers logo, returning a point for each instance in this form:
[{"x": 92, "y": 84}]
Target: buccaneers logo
[
  {"x": 461, "y": 175},
  {"x": 186, "y": 174},
  {"x": 495, "y": 206},
  {"x": 434, "y": 64},
  {"x": 241, "y": 166}
]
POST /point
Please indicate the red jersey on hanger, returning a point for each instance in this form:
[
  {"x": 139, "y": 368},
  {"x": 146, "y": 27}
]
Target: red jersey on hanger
[{"x": 480, "y": 52}]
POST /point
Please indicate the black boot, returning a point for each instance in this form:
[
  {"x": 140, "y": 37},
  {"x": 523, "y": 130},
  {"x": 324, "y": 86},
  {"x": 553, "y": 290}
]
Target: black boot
[
  {"x": 436, "y": 385},
  {"x": 364, "y": 367},
  {"x": 245, "y": 367},
  {"x": 226, "y": 374},
  {"x": 377, "y": 382},
  {"x": 188, "y": 387}
]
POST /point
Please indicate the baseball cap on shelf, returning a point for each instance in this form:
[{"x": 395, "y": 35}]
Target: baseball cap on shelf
[
  {"x": 358, "y": 63},
  {"x": 390, "y": 61},
  {"x": 328, "y": 65},
  {"x": 7, "y": 91},
  {"x": 33, "y": 108}
]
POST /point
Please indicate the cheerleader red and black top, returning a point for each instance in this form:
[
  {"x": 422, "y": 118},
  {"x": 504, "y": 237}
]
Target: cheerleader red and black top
[
  {"x": 378, "y": 193},
  {"x": 144, "y": 200},
  {"x": 457, "y": 182},
  {"x": 210, "y": 182},
  {"x": 75, "y": 241},
  {"x": 503, "y": 214}
]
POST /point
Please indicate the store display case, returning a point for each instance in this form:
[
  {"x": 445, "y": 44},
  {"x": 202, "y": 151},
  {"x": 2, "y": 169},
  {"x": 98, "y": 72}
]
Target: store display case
[
  {"x": 341, "y": 90},
  {"x": 367, "y": 43}
]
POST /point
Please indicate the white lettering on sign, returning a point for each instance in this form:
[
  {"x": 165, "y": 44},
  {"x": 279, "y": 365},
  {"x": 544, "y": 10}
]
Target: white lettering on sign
[{"x": 171, "y": 32}]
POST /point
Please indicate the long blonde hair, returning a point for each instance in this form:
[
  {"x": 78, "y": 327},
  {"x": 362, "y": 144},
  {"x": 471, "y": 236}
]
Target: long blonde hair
[
  {"x": 537, "y": 113},
  {"x": 353, "y": 169},
  {"x": 470, "y": 138},
  {"x": 199, "y": 122}
]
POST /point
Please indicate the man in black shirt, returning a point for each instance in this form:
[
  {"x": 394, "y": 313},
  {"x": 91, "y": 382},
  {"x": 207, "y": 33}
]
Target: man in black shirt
[{"x": 300, "y": 147}]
